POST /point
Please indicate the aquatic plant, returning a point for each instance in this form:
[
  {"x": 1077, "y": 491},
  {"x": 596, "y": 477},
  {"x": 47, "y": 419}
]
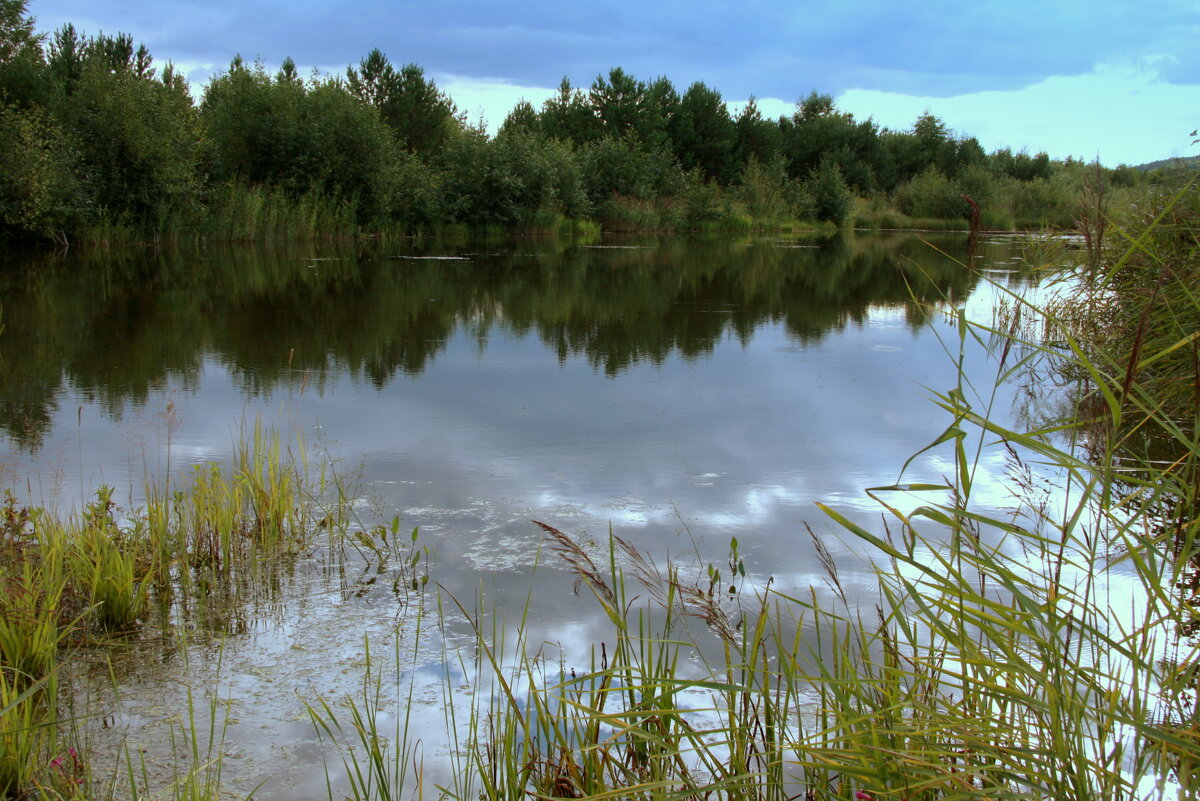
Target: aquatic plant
[
  {"x": 378, "y": 764},
  {"x": 996, "y": 663},
  {"x": 93, "y": 576},
  {"x": 23, "y": 731},
  {"x": 109, "y": 563}
]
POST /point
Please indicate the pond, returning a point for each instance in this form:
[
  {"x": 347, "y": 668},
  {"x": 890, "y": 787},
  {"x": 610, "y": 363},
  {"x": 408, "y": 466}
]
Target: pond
[{"x": 680, "y": 393}]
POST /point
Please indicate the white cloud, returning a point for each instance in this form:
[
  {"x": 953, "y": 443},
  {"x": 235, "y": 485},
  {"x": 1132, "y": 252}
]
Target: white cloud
[
  {"x": 1121, "y": 114},
  {"x": 489, "y": 100}
]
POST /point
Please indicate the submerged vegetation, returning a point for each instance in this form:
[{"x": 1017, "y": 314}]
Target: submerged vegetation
[{"x": 97, "y": 144}]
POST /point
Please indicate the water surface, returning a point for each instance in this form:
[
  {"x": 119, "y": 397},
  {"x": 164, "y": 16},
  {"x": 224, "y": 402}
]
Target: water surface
[{"x": 680, "y": 392}]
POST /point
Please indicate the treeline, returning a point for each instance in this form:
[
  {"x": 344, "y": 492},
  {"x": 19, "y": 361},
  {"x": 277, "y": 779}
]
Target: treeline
[{"x": 98, "y": 143}]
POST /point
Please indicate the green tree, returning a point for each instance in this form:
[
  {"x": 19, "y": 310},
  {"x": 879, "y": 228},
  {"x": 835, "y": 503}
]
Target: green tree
[
  {"x": 661, "y": 105},
  {"x": 934, "y": 145},
  {"x": 254, "y": 129},
  {"x": 757, "y": 137},
  {"x": 703, "y": 134},
  {"x": 40, "y": 194},
  {"x": 288, "y": 73},
  {"x": 622, "y": 167},
  {"x": 421, "y": 116},
  {"x": 353, "y": 156},
  {"x": 1027, "y": 168},
  {"x": 373, "y": 81},
  {"x": 67, "y": 51},
  {"x": 617, "y": 102},
  {"x": 517, "y": 179},
  {"x": 969, "y": 154},
  {"x": 818, "y": 131},
  {"x": 139, "y": 138},
  {"x": 22, "y": 66},
  {"x": 815, "y": 106},
  {"x": 116, "y": 54},
  {"x": 568, "y": 116},
  {"x": 17, "y": 36},
  {"x": 523, "y": 117},
  {"x": 303, "y": 138}
]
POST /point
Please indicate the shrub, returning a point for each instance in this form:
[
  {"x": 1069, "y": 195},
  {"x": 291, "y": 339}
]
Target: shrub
[
  {"x": 831, "y": 197},
  {"x": 931, "y": 194},
  {"x": 40, "y": 194}
]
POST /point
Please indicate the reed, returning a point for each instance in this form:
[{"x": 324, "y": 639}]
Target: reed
[
  {"x": 110, "y": 564},
  {"x": 1042, "y": 651},
  {"x": 241, "y": 212},
  {"x": 378, "y": 763},
  {"x": 197, "y": 738},
  {"x": 995, "y": 666}
]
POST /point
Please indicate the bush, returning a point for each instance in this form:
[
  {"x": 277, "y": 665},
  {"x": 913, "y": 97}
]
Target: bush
[
  {"x": 620, "y": 166},
  {"x": 702, "y": 204},
  {"x": 40, "y": 195},
  {"x": 831, "y": 196},
  {"x": 1041, "y": 202},
  {"x": 931, "y": 194},
  {"x": 764, "y": 190}
]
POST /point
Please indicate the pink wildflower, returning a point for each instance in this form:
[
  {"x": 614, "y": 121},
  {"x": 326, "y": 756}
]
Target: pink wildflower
[{"x": 859, "y": 795}]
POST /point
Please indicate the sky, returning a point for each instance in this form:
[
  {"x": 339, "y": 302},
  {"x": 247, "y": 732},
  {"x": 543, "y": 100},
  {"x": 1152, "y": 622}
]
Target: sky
[{"x": 1116, "y": 80}]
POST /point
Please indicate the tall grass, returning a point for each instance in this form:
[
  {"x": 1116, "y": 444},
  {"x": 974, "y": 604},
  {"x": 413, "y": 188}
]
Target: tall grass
[
  {"x": 241, "y": 213},
  {"x": 196, "y": 739},
  {"x": 1041, "y": 651},
  {"x": 377, "y": 763}
]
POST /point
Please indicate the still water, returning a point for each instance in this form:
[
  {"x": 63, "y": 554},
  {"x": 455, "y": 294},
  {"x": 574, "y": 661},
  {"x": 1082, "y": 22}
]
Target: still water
[{"x": 678, "y": 392}]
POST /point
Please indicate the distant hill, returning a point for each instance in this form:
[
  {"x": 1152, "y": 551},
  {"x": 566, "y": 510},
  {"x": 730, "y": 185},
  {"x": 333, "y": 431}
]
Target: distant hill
[{"x": 1186, "y": 163}]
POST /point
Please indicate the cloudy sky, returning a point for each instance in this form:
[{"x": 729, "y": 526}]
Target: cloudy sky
[{"x": 1112, "y": 79}]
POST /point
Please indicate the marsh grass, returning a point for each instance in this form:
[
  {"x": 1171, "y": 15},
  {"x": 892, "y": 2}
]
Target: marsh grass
[
  {"x": 189, "y": 560},
  {"x": 1041, "y": 651},
  {"x": 378, "y": 763},
  {"x": 109, "y": 564},
  {"x": 22, "y": 722},
  {"x": 196, "y": 751},
  {"x": 240, "y": 212}
]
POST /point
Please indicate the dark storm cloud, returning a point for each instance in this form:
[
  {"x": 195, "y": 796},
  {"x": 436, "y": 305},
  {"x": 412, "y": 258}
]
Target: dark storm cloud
[{"x": 772, "y": 49}]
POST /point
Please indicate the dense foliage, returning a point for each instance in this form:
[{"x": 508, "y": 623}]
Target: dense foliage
[{"x": 99, "y": 143}]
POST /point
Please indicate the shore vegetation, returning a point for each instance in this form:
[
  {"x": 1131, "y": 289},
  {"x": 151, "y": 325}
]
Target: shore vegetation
[{"x": 101, "y": 144}]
